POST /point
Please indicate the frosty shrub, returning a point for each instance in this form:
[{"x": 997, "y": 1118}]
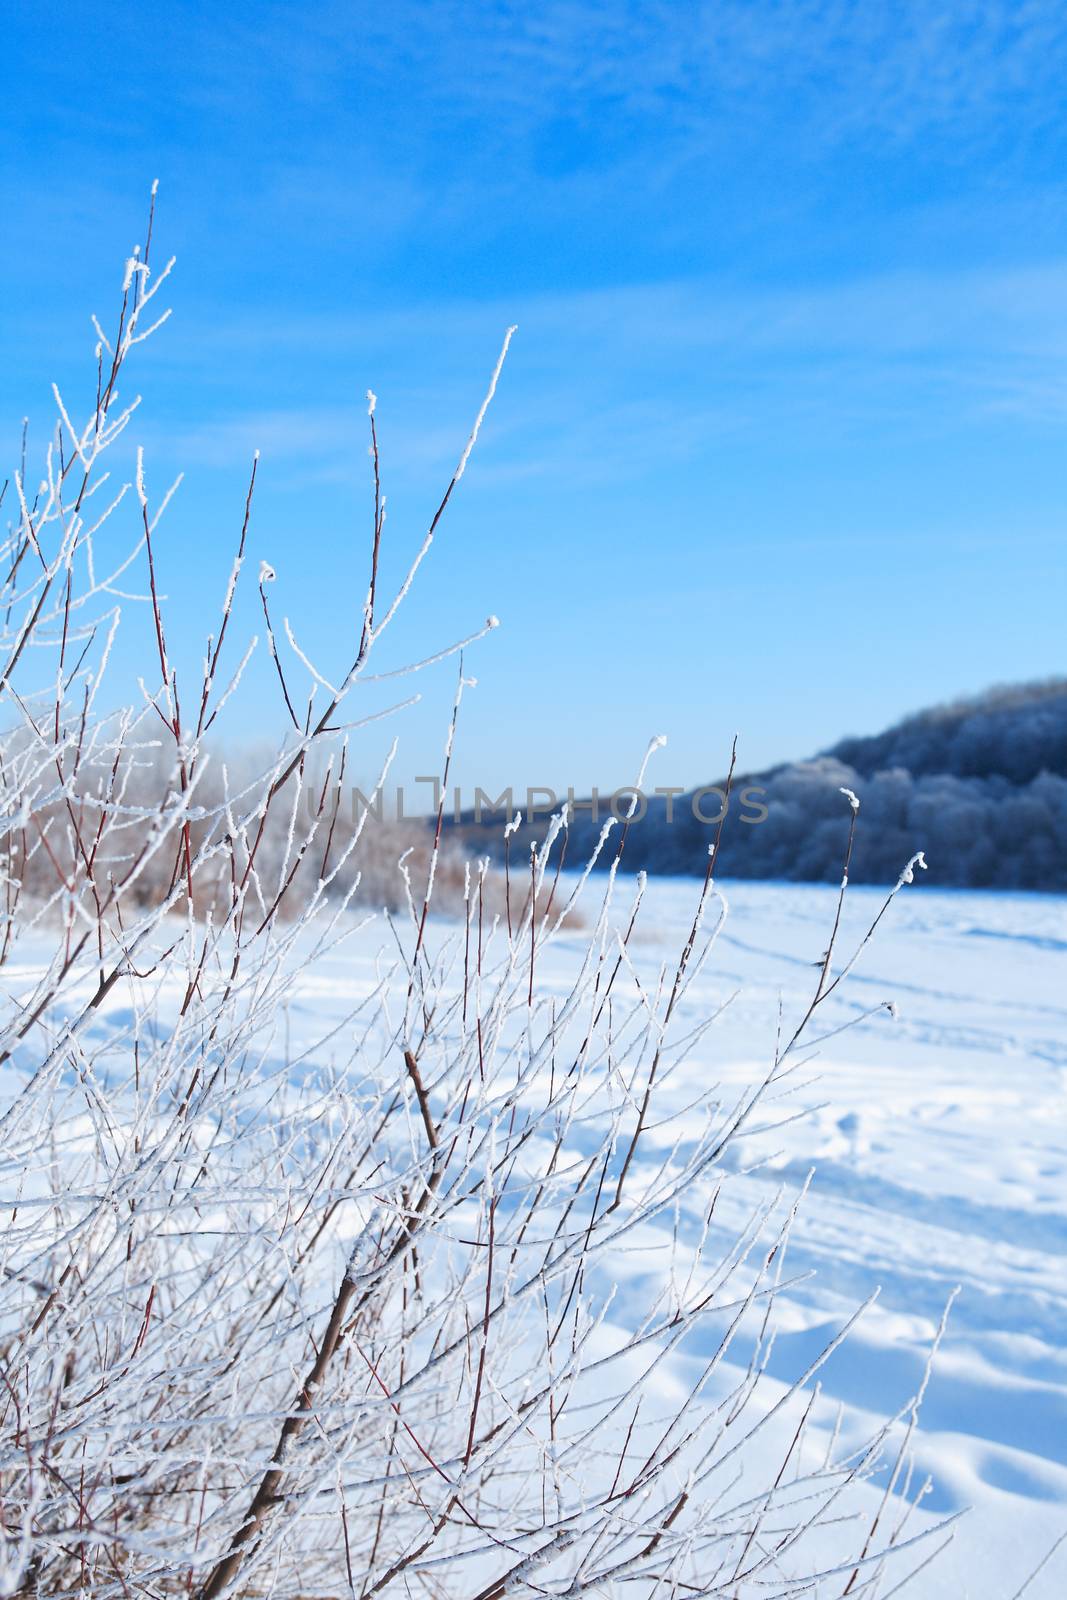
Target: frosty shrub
[{"x": 354, "y": 1312}]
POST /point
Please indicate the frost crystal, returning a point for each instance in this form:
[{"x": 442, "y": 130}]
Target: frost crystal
[{"x": 908, "y": 875}]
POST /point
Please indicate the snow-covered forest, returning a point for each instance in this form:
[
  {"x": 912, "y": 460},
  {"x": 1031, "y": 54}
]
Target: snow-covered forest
[{"x": 979, "y": 786}]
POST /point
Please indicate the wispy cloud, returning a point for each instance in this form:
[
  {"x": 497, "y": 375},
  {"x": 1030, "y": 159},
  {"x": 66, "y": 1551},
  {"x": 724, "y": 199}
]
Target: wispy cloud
[
  {"x": 619, "y": 382},
  {"x": 898, "y": 66}
]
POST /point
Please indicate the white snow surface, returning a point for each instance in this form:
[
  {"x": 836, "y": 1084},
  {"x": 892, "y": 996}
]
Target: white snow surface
[
  {"x": 939, "y": 1143},
  {"x": 938, "y": 1139}
]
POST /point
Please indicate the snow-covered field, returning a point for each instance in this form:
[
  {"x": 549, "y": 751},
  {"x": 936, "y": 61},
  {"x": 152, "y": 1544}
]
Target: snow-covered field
[
  {"x": 938, "y": 1137},
  {"x": 939, "y": 1142}
]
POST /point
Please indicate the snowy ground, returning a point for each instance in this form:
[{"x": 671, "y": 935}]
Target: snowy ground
[{"x": 939, "y": 1140}]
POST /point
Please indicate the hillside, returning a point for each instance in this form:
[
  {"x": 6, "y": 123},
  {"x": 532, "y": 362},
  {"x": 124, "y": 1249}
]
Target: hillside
[{"x": 979, "y": 785}]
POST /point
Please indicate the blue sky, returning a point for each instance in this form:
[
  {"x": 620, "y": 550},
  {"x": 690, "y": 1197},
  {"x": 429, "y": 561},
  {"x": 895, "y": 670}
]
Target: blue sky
[{"x": 779, "y": 445}]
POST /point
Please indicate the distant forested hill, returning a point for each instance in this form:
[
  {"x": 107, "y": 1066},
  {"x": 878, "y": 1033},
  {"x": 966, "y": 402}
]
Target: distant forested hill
[{"x": 980, "y": 786}]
